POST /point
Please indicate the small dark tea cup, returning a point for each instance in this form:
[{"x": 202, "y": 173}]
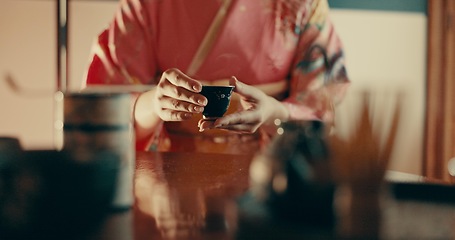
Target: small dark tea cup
[{"x": 218, "y": 98}]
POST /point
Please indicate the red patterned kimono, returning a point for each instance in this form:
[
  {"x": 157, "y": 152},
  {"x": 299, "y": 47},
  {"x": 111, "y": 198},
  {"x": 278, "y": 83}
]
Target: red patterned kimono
[{"x": 287, "y": 47}]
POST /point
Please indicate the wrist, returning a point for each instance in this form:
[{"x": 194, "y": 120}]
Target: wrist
[
  {"x": 277, "y": 111},
  {"x": 280, "y": 112},
  {"x": 145, "y": 118}
]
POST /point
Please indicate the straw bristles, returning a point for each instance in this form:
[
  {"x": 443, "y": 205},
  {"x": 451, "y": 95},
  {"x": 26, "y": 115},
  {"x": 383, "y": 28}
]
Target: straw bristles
[{"x": 359, "y": 161}]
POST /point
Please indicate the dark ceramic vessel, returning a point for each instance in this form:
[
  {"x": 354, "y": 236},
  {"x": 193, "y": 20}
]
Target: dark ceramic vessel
[{"x": 218, "y": 98}]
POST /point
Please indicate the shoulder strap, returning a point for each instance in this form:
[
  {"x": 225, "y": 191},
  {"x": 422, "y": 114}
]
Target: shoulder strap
[{"x": 209, "y": 39}]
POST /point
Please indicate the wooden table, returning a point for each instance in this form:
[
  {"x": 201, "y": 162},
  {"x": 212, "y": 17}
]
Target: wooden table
[
  {"x": 202, "y": 196},
  {"x": 193, "y": 196},
  {"x": 182, "y": 195}
]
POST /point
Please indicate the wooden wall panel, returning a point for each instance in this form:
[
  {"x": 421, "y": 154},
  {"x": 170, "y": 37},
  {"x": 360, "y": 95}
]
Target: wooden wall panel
[{"x": 440, "y": 119}]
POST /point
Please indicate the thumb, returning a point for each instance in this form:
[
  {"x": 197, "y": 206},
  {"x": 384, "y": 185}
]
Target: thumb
[
  {"x": 233, "y": 82},
  {"x": 242, "y": 88}
]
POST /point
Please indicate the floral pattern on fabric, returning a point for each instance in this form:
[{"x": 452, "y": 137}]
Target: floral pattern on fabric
[{"x": 261, "y": 42}]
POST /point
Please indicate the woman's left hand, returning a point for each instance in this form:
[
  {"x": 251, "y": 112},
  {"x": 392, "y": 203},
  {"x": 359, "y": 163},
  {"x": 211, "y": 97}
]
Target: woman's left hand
[{"x": 258, "y": 109}]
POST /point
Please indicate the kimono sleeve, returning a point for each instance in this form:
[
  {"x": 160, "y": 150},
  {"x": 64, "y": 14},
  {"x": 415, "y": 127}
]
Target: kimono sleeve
[
  {"x": 124, "y": 52},
  {"x": 318, "y": 78}
]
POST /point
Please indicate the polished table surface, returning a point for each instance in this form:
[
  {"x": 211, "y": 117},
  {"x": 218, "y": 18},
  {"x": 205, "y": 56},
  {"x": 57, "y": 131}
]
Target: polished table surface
[
  {"x": 183, "y": 196},
  {"x": 195, "y": 196}
]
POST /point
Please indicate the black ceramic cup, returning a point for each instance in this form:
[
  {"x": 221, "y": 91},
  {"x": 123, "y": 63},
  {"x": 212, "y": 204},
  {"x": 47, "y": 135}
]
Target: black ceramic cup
[{"x": 219, "y": 98}]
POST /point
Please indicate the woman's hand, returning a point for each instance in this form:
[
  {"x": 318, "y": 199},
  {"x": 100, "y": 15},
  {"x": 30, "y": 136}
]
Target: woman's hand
[
  {"x": 177, "y": 96},
  {"x": 258, "y": 109}
]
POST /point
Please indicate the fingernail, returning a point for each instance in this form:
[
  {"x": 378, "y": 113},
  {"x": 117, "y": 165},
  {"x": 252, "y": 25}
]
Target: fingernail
[{"x": 196, "y": 88}]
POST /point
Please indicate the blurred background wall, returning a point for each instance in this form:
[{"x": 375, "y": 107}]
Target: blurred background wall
[{"x": 385, "y": 45}]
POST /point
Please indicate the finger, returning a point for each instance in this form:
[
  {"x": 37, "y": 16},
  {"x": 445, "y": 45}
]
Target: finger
[
  {"x": 178, "y": 105},
  {"x": 182, "y": 94},
  {"x": 204, "y": 124},
  {"x": 245, "y": 90},
  {"x": 244, "y": 117},
  {"x": 173, "y": 115},
  {"x": 242, "y": 128},
  {"x": 178, "y": 78}
]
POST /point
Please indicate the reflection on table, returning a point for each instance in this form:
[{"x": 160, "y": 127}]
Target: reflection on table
[
  {"x": 196, "y": 196},
  {"x": 46, "y": 195},
  {"x": 188, "y": 194}
]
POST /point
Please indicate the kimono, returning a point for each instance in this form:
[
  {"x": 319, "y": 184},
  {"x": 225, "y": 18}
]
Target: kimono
[{"x": 287, "y": 48}]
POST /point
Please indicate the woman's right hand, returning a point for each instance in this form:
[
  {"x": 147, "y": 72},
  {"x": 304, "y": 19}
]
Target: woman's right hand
[{"x": 177, "y": 96}]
